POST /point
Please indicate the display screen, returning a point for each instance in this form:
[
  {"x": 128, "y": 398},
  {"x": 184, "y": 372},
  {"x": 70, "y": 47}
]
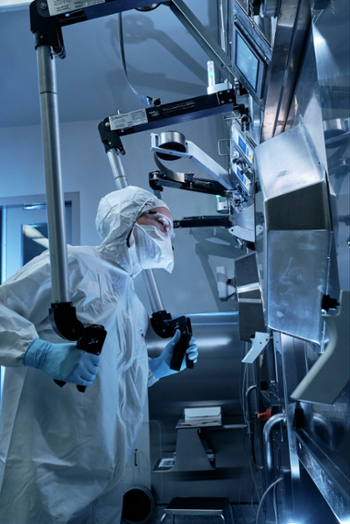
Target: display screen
[{"x": 246, "y": 61}]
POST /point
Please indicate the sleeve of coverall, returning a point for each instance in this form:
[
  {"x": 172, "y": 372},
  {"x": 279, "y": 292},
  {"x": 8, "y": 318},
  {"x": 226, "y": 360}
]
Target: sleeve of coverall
[
  {"x": 24, "y": 302},
  {"x": 152, "y": 379}
]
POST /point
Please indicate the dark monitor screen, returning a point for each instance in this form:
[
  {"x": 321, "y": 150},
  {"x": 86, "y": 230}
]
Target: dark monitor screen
[{"x": 246, "y": 61}]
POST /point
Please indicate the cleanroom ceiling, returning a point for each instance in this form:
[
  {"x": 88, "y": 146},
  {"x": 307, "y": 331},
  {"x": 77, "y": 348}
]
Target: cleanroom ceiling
[{"x": 163, "y": 61}]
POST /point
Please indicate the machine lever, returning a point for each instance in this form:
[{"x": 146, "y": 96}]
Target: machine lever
[
  {"x": 165, "y": 326},
  {"x": 92, "y": 342},
  {"x": 184, "y": 325}
]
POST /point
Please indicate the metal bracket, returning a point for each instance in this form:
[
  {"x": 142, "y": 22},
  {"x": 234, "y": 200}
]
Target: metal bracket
[
  {"x": 225, "y": 286},
  {"x": 195, "y": 154},
  {"x": 260, "y": 342},
  {"x": 244, "y": 233},
  {"x": 187, "y": 181},
  {"x": 203, "y": 221},
  {"x": 173, "y": 113},
  {"x": 244, "y": 225}
]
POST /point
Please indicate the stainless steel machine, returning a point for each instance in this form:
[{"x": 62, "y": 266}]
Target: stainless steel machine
[{"x": 276, "y": 408}]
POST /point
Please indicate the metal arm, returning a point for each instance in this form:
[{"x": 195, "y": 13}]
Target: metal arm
[
  {"x": 62, "y": 313},
  {"x": 117, "y": 168},
  {"x": 114, "y": 152},
  {"x": 162, "y": 322},
  {"x": 53, "y": 177},
  {"x": 163, "y": 144}
]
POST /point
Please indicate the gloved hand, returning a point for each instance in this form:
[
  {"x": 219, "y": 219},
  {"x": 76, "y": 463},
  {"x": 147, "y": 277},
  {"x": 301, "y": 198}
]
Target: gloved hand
[
  {"x": 160, "y": 366},
  {"x": 62, "y": 361}
]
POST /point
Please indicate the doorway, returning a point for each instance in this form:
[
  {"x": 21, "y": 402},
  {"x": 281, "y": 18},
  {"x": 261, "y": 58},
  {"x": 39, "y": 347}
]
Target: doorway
[{"x": 24, "y": 232}]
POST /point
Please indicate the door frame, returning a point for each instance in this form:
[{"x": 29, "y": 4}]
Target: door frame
[{"x": 73, "y": 197}]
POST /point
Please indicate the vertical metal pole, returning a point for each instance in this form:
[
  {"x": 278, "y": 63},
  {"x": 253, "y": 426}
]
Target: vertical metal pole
[
  {"x": 117, "y": 168},
  {"x": 3, "y": 275},
  {"x": 4, "y": 244},
  {"x": 53, "y": 178},
  {"x": 268, "y": 450},
  {"x": 148, "y": 275}
]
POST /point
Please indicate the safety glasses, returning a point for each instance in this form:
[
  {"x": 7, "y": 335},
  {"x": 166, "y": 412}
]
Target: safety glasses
[{"x": 162, "y": 222}]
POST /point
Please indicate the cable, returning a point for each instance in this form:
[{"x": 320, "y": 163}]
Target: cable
[
  {"x": 255, "y": 485},
  {"x": 145, "y": 99},
  {"x": 264, "y": 495}
]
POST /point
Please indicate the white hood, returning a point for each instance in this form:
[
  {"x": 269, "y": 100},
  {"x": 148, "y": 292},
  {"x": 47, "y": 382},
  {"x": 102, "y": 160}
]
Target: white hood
[{"x": 119, "y": 210}]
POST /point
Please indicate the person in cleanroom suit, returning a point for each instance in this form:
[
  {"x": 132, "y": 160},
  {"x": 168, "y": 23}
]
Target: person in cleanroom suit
[{"x": 63, "y": 452}]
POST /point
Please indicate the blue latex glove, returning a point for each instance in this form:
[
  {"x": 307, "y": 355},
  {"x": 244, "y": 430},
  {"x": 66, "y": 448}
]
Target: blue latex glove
[
  {"x": 160, "y": 366},
  {"x": 62, "y": 361}
]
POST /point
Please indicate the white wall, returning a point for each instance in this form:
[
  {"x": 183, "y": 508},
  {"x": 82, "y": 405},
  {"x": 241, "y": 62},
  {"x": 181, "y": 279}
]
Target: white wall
[{"x": 191, "y": 288}]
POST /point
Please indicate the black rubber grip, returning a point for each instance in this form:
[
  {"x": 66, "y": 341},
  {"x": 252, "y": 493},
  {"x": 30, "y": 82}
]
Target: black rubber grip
[
  {"x": 92, "y": 342},
  {"x": 184, "y": 325}
]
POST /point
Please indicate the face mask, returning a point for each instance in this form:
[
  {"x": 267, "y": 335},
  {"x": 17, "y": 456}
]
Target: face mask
[{"x": 152, "y": 249}]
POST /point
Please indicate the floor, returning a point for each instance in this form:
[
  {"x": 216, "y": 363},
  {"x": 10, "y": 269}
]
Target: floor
[{"x": 242, "y": 514}]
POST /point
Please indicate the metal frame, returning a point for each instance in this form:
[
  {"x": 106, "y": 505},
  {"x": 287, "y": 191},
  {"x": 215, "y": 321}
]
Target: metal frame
[
  {"x": 290, "y": 41},
  {"x": 198, "y": 156},
  {"x": 46, "y": 24}
]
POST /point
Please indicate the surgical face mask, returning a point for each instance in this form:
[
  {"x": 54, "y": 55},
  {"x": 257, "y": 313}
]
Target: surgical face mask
[{"x": 151, "y": 249}]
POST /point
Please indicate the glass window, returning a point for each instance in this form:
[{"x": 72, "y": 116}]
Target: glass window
[{"x": 34, "y": 240}]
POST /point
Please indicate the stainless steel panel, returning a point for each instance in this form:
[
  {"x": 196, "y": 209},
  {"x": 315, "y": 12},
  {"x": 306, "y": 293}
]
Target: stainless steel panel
[
  {"x": 318, "y": 434},
  {"x": 307, "y": 104},
  {"x": 293, "y": 25},
  {"x": 250, "y": 306},
  {"x": 333, "y": 484},
  {"x": 318, "y": 385},
  {"x": 332, "y": 42},
  {"x": 296, "y": 282},
  {"x": 293, "y": 182},
  {"x": 213, "y": 382},
  {"x": 298, "y": 237}
]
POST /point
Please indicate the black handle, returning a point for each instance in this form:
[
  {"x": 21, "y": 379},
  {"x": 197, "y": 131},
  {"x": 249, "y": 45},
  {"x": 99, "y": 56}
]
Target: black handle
[
  {"x": 92, "y": 342},
  {"x": 184, "y": 325},
  {"x": 60, "y": 383}
]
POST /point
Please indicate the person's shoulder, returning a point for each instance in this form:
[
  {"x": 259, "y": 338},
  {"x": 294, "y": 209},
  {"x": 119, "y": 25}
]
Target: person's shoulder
[
  {"x": 82, "y": 257},
  {"x": 80, "y": 252}
]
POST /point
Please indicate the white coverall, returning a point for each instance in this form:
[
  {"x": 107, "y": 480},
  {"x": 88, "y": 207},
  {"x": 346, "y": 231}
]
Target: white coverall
[{"x": 62, "y": 452}]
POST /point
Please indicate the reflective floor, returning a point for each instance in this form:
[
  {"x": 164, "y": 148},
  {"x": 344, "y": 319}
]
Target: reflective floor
[{"x": 241, "y": 514}]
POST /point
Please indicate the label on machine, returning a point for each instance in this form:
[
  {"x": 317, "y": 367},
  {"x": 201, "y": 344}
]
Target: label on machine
[
  {"x": 58, "y": 7},
  {"x": 243, "y": 145},
  {"x": 126, "y": 120},
  {"x": 245, "y": 182}
]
